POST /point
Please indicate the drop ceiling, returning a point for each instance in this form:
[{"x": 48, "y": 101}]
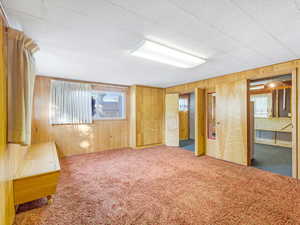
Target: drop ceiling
[{"x": 92, "y": 39}]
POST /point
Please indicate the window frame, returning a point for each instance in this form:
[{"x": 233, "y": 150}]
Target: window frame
[{"x": 124, "y": 106}]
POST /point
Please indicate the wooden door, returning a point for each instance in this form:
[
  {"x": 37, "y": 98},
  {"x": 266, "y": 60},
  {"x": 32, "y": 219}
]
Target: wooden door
[
  {"x": 184, "y": 118},
  {"x": 231, "y": 117},
  {"x": 183, "y": 125},
  {"x": 149, "y": 116},
  {"x": 251, "y": 133},
  {"x": 172, "y": 120},
  {"x": 200, "y": 109}
]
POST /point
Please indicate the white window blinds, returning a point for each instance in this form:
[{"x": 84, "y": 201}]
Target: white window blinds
[{"x": 71, "y": 103}]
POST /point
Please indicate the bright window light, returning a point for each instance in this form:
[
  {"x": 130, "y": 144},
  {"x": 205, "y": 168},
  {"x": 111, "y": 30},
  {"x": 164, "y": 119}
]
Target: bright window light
[{"x": 167, "y": 55}]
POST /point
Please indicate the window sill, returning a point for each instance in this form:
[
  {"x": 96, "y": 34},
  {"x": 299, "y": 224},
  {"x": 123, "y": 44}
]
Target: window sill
[{"x": 109, "y": 119}]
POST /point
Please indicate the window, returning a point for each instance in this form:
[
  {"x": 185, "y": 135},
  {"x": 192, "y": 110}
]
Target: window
[
  {"x": 211, "y": 115},
  {"x": 78, "y": 103},
  {"x": 108, "y": 105},
  {"x": 70, "y": 103},
  {"x": 262, "y": 105}
]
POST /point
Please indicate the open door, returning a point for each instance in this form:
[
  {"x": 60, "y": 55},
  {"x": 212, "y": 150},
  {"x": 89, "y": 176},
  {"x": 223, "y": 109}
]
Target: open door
[
  {"x": 184, "y": 103},
  {"x": 200, "y": 121},
  {"x": 231, "y": 117},
  {"x": 172, "y": 120}
]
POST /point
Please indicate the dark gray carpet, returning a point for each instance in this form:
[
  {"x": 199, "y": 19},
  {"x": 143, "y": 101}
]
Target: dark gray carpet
[
  {"x": 188, "y": 144},
  {"x": 272, "y": 158}
]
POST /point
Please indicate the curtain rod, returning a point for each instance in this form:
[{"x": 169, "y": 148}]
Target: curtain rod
[{"x": 2, "y": 7}]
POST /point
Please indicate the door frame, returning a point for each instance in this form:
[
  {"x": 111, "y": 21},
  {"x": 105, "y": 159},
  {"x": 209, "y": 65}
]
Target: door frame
[
  {"x": 200, "y": 121},
  {"x": 295, "y": 116}
]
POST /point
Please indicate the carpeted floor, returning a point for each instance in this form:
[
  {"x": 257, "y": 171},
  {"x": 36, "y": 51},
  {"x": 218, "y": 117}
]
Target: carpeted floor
[
  {"x": 168, "y": 186},
  {"x": 272, "y": 158}
]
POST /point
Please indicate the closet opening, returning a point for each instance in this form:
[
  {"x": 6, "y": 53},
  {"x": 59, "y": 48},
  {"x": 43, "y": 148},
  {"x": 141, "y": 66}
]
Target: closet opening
[
  {"x": 271, "y": 124},
  {"x": 187, "y": 121}
]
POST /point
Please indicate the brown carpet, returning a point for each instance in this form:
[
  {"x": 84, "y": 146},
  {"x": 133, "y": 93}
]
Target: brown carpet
[{"x": 164, "y": 186}]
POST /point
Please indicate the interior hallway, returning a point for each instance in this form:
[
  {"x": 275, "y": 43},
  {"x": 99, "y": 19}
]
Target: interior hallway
[
  {"x": 188, "y": 144},
  {"x": 164, "y": 185}
]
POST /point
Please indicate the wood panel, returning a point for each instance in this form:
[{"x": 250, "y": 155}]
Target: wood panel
[
  {"x": 184, "y": 119},
  {"x": 200, "y": 122},
  {"x": 31, "y": 188},
  {"x": 77, "y": 139},
  {"x": 231, "y": 117},
  {"x": 37, "y": 174},
  {"x": 6, "y": 189},
  {"x": 133, "y": 121},
  {"x": 172, "y": 120},
  {"x": 252, "y": 74},
  {"x": 251, "y": 133},
  {"x": 149, "y": 115},
  {"x": 183, "y": 125}
]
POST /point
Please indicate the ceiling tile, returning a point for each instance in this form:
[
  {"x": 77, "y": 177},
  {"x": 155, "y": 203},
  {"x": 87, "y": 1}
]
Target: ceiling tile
[{"x": 91, "y": 40}]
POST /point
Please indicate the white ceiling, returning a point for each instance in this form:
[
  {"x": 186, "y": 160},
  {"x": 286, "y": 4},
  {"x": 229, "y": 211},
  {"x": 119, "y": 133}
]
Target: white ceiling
[{"x": 91, "y": 39}]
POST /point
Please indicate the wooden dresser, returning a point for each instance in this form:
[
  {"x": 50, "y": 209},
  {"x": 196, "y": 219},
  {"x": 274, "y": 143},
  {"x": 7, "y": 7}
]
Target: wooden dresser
[{"x": 37, "y": 174}]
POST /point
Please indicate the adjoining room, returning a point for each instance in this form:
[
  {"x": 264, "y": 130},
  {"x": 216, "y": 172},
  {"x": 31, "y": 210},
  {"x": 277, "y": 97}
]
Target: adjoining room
[
  {"x": 161, "y": 112},
  {"x": 187, "y": 121},
  {"x": 271, "y": 115}
]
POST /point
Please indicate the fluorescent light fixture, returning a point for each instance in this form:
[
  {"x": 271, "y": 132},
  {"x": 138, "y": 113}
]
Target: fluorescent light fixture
[
  {"x": 258, "y": 87},
  {"x": 167, "y": 55}
]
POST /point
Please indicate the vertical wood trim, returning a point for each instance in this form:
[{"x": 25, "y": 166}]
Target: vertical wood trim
[
  {"x": 164, "y": 118},
  {"x": 250, "y": 126},
  {"x": 133, "y": 117},
  {"x": 251, "y": 133},
  {"x": 200, "y": 122},
  {"x": 295, "y": 122},
  {"x": 184, "y": 120},
  {"x": 277, "y": 104}
]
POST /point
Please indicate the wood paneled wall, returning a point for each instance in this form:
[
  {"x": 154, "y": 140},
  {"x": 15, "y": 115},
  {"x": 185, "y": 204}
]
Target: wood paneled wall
[
  {"x": 78, "y": 139},
  {"x": 184, "y": 120},
  {"x": 6, "y": 189},
  {"x": 258, "y": 73},
  {"x": 184, "y": 125},
  {"x": 210, "y": 86},
  {"x": 147, "y": 116}
]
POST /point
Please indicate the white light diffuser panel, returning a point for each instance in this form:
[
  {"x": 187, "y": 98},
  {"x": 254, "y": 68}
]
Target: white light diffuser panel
[{"x": 163, "y": 54}]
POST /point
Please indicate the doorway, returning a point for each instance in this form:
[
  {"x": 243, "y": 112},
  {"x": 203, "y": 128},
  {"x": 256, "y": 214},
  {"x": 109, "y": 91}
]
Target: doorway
[
  {"x": 187, "y": 121},
  {"x": 271, "y": 124}
]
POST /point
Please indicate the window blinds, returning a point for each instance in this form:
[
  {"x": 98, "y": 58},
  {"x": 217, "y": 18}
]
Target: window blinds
[{"x": 71, "y": 103}]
